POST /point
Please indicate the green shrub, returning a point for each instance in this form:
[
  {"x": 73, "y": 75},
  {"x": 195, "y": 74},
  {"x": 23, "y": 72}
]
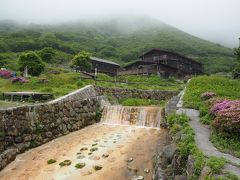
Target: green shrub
[
  {"x": 32, "y": 61},
  {"x": 177, "y": 119},
  {"x": 140, "y": 102},
  {"x": 65, "y": 163},
  {"x": 227, "y": 144},
  {"x": 186, "y": 146},
  {"x": 79, "y": 84},
  {"x": 216, "y": 164},
  {"x": 51, "y": 161}
]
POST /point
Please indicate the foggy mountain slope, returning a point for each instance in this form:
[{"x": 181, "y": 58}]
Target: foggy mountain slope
[{"x": 121, "y": 40}]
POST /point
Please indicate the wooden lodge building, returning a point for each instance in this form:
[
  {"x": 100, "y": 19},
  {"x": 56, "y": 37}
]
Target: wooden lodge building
[
  {"x": 104, "y": 66},
  {"x": 155, "y": 61},
  {"x": 101, "y": 66},
  {"x": 163, "y": 62}
]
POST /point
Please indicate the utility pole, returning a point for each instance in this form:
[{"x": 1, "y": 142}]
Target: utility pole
[
  {"x": 143, "y": 53},
  {"x": 239, "y": 42}
]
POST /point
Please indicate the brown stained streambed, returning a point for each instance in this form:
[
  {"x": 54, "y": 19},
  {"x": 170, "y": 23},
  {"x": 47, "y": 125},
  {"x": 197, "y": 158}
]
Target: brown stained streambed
[{"x": 119, "y": 142}]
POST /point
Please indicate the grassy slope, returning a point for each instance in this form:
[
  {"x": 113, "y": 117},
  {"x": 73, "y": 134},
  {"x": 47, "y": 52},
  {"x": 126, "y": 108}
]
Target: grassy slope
[
  {"x": 108, "y": 41},
  {"x": 66, "y": 82},
  {"x": 223, "y": 87}
]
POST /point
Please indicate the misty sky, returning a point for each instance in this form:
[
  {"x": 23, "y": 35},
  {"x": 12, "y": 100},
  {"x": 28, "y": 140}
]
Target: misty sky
[{"x": 215, "y": 20}]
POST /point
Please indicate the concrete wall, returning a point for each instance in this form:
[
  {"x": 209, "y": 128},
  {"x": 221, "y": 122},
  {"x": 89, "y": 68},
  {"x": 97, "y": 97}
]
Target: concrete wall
[
  {"x": 25, "y": 127},
  {"x": 121, "y": 93}
]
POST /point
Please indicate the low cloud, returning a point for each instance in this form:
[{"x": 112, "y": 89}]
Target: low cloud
[{"x": 215, "y": 20}]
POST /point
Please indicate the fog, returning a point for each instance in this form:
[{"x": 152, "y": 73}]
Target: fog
[{"x": 214, "y": 20}]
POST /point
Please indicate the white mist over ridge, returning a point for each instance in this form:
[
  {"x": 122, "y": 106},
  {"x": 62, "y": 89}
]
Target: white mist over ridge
[{"x": 215, "y": 20}]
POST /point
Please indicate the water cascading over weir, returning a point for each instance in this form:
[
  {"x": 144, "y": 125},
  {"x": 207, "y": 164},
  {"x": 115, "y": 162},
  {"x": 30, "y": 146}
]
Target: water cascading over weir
[{"x": 131, "y": 115}]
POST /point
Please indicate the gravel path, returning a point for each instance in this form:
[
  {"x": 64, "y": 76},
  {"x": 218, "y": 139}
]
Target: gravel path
[{"x": 202, "y": 135}]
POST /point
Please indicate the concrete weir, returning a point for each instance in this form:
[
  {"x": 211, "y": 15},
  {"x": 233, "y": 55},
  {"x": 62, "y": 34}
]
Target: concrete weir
[
  {"x": 122, "y": 152},
  {"x": 120, "y": 146}
]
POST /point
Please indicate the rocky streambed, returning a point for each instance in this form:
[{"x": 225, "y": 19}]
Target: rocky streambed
[{"x": 99, "y": 151}]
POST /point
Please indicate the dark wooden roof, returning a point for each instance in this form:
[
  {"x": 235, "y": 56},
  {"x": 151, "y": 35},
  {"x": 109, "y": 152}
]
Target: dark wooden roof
[
  {"x": 169, "y": 52},
  {"x": 104, "y": 61}
]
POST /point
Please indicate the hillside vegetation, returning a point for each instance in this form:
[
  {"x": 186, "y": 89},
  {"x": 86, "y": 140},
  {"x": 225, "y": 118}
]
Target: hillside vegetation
[
  {"x": 220, "y": 109},
  {"x": 119, "y": 40},
  {"x": 66, "y": 82}
]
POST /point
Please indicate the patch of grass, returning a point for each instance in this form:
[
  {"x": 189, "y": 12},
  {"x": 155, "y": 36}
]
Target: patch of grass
[
  {"x": 65, "y": 163},
  {"x": 222, "y": 86},
  {"x": 66, "y": 82},
  {"x": 186, "y": 146},
  {"x": 93, "y": 149},
  {"x": 151, "y": 82},
  {"x": 5, "y": 104},
  {"x": 80, "y": 165},
  {"x": 226, "y": 144},
  {"x": 141, "y": 102},
  {"x": 216, "y": 164},
  {"x": 51, "y": 161}
]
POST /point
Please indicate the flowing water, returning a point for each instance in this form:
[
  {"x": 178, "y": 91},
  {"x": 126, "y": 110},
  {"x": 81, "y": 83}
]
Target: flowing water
[
  {"x": 127, "y": 115},
  {"x": 125, "y": 142}
]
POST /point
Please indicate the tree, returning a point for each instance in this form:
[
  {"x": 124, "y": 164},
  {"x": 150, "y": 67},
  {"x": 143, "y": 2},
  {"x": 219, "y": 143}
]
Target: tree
[
  {"x": 82, "y": 60},
  {"x": 47, "y": 54},
  {"x": 236, "y": 71},
  {"x": 32, "y": 61}
]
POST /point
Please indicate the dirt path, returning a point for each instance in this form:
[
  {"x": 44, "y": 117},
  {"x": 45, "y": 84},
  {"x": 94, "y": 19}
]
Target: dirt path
[
  {"x": 121, "y": 143},
  {"x": 202, "y": 135}
]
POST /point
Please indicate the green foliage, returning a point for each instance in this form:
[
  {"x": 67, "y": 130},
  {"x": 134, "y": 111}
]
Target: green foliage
[
  {"x": 186, "y": 146},
  {"x": 152, "y": 82},
  {"x": 47, "y": 54},
  {"x": 140, "y": 102},
  {"x": 227, "y": 144},
  {"x": 180, "y": 119},
  {"x": 32, "y": 61},
  {"x": 82, "y": 60},
  {"x": 236, "y": 70},
  {"x": 51, "y": 161},
  {"x": 65, "y": 163},
  {"x": 222, "y": 86},
  {"x": 107, "y": 40},
  {"x": 80, "y": 165},
  {"x": 63, "y": 83},
  {"x": 216, "y": 164},
  {"x": 98, "y": 115}
]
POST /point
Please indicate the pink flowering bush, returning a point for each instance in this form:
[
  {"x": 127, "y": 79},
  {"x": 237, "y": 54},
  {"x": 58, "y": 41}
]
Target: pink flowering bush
[
  {"x": 6, "y": 73},
  {"x": 227, "y": 116},
  {"x": 19, "y": 79},
  {"x": 207, "y": 95}
]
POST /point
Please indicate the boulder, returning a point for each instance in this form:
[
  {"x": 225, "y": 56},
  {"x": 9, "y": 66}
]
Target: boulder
[
  {"x": 178, "y": 164},
  {"x": 168, "y": 153},
  {"x": 190, "y": 166},
  {"x": 180, "y": 177},
  {"x": 205, "y": 172}
]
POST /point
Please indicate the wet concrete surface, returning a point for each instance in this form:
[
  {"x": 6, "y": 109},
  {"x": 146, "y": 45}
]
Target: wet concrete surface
[{"x": 121, "y": 151}]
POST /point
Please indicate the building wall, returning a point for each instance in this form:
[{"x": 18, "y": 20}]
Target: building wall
[
  {"x": 106, "y": 68},
  {"x": 184, "y": 65}
]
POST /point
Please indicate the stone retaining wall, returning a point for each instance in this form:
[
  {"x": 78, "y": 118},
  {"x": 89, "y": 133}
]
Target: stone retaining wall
[
  {"x": 25, "y": 127},
  {"x": 121, "y": 93}
]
